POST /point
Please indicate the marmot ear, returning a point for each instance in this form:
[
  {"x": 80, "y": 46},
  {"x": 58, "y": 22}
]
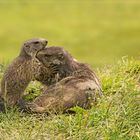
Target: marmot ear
[{"x": 26, "y": 48}]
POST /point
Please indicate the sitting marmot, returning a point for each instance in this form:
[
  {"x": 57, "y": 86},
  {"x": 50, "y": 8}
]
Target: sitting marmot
[
  {"x": 70, "y": 83},
  {"x": 20, "y": 72}
]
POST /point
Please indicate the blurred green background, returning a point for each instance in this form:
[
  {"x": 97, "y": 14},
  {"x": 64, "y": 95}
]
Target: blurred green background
[{"x": 98, "y": 32}]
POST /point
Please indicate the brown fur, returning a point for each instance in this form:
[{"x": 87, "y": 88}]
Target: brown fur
[
  {"x": 70, "y": 83},
  {"x": 21, "y": 71}
]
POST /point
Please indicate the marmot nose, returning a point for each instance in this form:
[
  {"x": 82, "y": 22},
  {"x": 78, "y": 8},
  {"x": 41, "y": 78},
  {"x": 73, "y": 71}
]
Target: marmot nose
[{"x": 45, "y": 42}]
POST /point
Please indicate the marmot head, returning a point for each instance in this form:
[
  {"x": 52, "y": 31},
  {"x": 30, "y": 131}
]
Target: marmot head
[
  {"x": 54, "y": 56},
  {"x": 57, "y": 60},
  {"x": 32, "y": 46}
]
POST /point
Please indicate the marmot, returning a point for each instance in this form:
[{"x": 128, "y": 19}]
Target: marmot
[
  {"x": 21, "y": 71},
  {"x": 71, "y": 83}
]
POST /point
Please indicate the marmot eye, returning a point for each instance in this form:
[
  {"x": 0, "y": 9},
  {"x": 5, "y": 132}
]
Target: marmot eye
[
  {"x": 47, "y": 55},
  {"x": 27, "y": 46},
  {"x": 36, "y": 42}
]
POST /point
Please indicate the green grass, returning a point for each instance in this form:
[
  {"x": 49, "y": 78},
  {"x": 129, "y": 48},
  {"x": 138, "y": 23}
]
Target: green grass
[
  {"x": 98, "y": 32},
  {"x": 95, "y": 31},
  {"x": 115, "y": 117}
]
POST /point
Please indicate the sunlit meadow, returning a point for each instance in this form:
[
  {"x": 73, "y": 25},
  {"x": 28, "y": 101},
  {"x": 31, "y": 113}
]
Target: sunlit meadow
[{"x": 103, "y": 33}]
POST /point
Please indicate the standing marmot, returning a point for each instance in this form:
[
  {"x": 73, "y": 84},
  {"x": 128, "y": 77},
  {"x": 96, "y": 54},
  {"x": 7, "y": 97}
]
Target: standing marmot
[
  {"x": 71, "y": 83},
  {"x": 21, "y": 71}
]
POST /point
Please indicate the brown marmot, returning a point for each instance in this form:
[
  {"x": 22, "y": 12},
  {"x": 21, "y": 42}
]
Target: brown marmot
[
  {"x": 21, "y": 71},
  {"x": 71, "y": 83}
]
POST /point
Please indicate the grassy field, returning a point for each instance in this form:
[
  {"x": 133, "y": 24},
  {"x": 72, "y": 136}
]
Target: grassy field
[
  {"x": 115, "y": 117},
  {"x": 97, "y": 32}
]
